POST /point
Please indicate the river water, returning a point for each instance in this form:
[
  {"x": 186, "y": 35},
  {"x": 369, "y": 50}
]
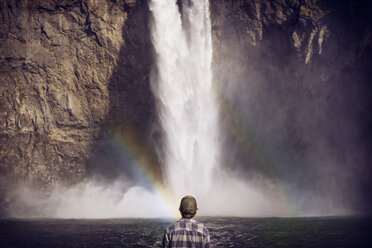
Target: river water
[{"x": 225, "y": 232}]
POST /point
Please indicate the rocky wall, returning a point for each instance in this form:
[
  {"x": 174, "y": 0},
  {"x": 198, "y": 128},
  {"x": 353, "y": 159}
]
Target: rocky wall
[{"x": 60, "y": 82}]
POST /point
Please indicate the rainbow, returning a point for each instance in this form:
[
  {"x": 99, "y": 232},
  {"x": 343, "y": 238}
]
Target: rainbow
[{"x": 146, "y": 167}]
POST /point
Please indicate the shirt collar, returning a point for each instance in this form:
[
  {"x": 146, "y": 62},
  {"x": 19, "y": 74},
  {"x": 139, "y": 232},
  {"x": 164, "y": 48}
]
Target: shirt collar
[{"x": 187, "y": 220}]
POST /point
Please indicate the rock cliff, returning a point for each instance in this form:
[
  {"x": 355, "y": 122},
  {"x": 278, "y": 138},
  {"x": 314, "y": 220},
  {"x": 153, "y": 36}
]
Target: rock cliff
[{"x": 68, "y": 68}]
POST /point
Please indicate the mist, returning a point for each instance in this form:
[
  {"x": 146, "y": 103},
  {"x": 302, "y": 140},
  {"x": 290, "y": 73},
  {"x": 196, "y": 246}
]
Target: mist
[{"x": 296, "y": 113}]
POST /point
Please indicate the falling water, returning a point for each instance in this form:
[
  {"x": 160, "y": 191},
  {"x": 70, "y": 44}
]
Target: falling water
[{"x": 184, "y": 91}]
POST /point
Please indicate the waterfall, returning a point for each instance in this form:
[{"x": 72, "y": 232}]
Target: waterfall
[
  {"x": 183, "y": 88},
  {"x": 189, "y": 114}
]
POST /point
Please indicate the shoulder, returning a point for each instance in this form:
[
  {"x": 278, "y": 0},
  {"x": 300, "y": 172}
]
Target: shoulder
[
  {"x": 205, "y": 231},
  {"x": 201, "y": 227},
  {"x": 204, "y": 228},
  {"x": 170, "y": 228}
]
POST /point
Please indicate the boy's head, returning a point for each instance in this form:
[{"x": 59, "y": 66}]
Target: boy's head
[{"x": 188, "y": 207}]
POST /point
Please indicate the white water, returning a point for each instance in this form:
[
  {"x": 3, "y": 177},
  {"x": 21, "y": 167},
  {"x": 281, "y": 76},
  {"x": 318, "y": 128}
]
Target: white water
[{"x": 184, "y": 91}]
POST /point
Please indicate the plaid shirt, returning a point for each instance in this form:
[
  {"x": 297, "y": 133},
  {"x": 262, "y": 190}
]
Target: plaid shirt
[{"x": 186, "y": 233}]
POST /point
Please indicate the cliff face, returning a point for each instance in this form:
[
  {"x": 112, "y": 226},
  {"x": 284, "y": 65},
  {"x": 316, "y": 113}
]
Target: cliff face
[
  {"x": 60, "y": 85},
  {"x": 292, "y": 76}
]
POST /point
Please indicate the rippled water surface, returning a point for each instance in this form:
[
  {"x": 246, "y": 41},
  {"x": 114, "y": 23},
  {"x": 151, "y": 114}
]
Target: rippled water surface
[{"x": 225, "y": 232}]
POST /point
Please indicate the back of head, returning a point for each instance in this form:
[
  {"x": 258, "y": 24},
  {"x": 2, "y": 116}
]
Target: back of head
[{"x": 188, "y": 207}]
